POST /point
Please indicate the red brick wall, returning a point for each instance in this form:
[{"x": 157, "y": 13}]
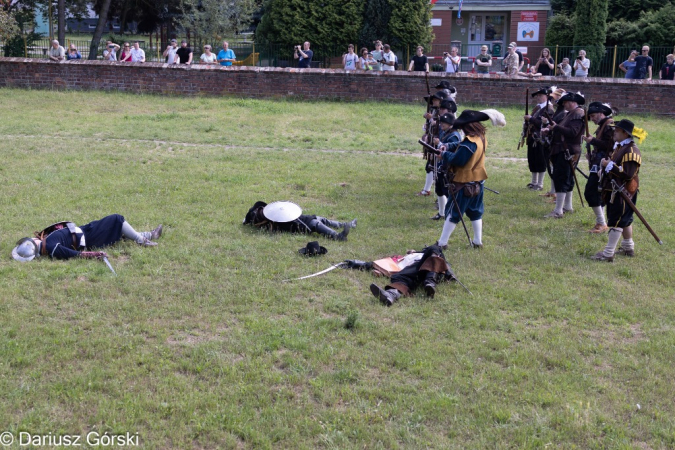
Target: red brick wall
[
  {"x": 442, "y": 33},
  {"x": 630, "y": 96}
]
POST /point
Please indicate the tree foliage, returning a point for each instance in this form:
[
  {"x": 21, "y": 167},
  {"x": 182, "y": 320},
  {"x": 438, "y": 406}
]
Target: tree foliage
[
  {"x": 560, "y": 30},
  {"x": 375, "y": 23},
  {"x": 409, "y": 24},
  {"x": 8, "y": 25},
  {"x": 214, "y": 19},
  {"x": 591, "y": 27}
]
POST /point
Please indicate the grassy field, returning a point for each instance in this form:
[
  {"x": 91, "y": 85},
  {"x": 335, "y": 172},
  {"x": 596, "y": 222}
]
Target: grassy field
[{"x": 198, "y": 344}]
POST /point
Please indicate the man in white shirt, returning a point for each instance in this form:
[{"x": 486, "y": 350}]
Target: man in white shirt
[
  {"x": 170, "y": 52},
  {"x": 388, "y": 59},
  {"x": 581, "y": 64},
  {"x": 137, "y": 53},
  {"x": 452, "y": 60},
  {"x": 57, "y": 53}
]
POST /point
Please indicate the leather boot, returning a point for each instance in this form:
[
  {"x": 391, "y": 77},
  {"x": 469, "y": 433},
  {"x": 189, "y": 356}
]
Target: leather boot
[
  {"x": 387, "y": 297},
  {"x": 343, "y": 235},
  {"x": 430, "y": 284},
  {"x": 157, "y": 232}
]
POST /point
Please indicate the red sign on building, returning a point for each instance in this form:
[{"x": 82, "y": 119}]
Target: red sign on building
[{"x": 528, "y": 16}]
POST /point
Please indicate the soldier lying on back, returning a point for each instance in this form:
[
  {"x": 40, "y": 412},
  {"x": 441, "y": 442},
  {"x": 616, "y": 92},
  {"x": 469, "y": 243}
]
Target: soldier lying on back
[{"x": 287, "y": 216}]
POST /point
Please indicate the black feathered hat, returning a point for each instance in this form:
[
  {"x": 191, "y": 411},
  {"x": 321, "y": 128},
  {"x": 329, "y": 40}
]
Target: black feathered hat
[
  {"x": 447, "y": 118},
  {"x": 543, "y": 91},
  {"x": 449, "y": 105},
  {"x": 598, "y": 107},
  {"x": 572, "y": 97},
  {"x": 313, "y": 249},
  {"x": 446, "y": 85},
  {"x": 440, "y": 95},
  {"x": 626, "y": 125},
  {"x": 469, "y": 116},
  {"x": 251, "y": 214}
]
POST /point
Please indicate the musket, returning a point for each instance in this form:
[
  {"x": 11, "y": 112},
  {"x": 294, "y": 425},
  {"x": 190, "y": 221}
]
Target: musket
[
  {"x": 588, "y": 134},
  {"x": 461, "y": 218},
  {"x": 576, "y": 181},
  {"x": 526, "y": 127},
  {"x": 616, "y": 187},
  {"x": 581, "y": 172}
]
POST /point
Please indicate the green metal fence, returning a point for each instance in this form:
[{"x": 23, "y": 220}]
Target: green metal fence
[{"x": 273, "y": 55}]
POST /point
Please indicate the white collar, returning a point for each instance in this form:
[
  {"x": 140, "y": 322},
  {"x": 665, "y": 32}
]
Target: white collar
[
  {"x": 622, "y": 143},
  {"x": 542, "y": 105}
]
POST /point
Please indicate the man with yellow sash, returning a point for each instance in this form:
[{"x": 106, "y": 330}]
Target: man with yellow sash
[{"x": 466, "y": 176}]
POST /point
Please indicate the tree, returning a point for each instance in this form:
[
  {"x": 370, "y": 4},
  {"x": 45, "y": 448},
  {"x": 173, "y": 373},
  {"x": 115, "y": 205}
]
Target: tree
[
  {"x": 98, "y": 32},
  {"x": 591, "y": 27},
  {"x": 375, "y": 23},
  {"x": 410, "y": 23},
  {"x": 214, "y": 19},
  {"x": 8, "y": 25},
  {"x": 657, "y": 28},
  {"x": 560, "y": 30}
]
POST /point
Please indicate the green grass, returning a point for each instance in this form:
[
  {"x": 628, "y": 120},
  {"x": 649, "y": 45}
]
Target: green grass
[{"x": 198, "y": 344}]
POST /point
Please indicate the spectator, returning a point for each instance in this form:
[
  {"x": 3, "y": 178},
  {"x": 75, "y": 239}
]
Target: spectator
[
  {"x": 303, "y": 55},
  {"x": 452, "y": 60},
  {"x": 388, "y": 60},
  {"x": 419, "y": 62},
  {"x": 125, "y": 56},
  {"x": 350, "y": 59},
  {"x": 57, "y": 53},
  {"x": 226, "y": 56},
  {"x": 511, "y": 61},
  {"x": 581, "y": 65},
  {"x": 73, "y": 53},
  {"x": 643, "y": 65},
  {"x": 110, "y": 52},
  {"x": 483, "y": 60},
  {"x": 628, "y": 66},
  {"x": 208, "y": 57},
  {"x": 668, "y": 69},
  {"x": 521, "y": 60},
  {"x": 545, "y": 65},
  {"x": 184, "y": 53},
  {"x": 170, "y": 52},
  {"x": 365, "y": 60},
  {"x": 564, "y": 68},
  {"x": 137, "y": 53},
  {"x": 377, "y": 56}
]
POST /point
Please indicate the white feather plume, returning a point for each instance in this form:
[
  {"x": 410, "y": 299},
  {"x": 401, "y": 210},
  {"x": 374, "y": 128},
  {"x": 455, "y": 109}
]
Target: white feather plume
[{"x": 496, "y": 117}]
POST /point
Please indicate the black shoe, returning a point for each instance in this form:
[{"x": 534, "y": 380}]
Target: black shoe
[
  {"x": 430, "y": 288},
  {"x": 157, "y": 232},
  {"x": 438, "y": 217},
  {"x": 342, "y": 236}
]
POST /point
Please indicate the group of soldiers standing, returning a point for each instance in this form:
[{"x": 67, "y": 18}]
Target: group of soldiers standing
[{"x": 555, "y": 130}]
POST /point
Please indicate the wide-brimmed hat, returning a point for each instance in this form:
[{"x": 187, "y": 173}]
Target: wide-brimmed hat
[
  {"x": 447, "y": 118},
  {"x": 446, "y": 85},
  {"x": 573, "y": 97},
  {"x": 541, "y": 91},
  {"x": 599, "y": 107},
  {"x": 440, "y": 95},
  {"x": 626, "y": 125},
  {"x": 26, "y": 250},
  {"x": 470, "y": 116},
  {"x": 449, "y": 105},
  {"x": 553, "y": 90},
  {"x": 313, "y": 249}
]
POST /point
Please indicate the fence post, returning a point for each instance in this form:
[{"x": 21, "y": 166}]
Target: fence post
[
  {"x": 614, "y": 62},
  {"x": 25, "y": 47},
  {"x": 255, "y": 63},
  {"x": 556, "y": 55}
]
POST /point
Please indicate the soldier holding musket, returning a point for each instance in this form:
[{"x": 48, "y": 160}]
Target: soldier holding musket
[
  {"x": 431, "y": 131},
  {"x": 536, "y": 157},
  {"x": 598, "y": 147},
  {"x": 447, "y": 140},
  {"x": 565, "y": 151},
  {"x": 555, "y": 94},
  {"x": 620, "y": 173}
]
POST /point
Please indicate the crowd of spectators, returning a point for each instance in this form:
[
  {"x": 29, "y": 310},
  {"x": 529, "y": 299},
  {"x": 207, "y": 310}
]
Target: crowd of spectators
[{"x": 638, "y": 65}]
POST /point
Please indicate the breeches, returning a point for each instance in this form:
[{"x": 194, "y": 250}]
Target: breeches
[
  {"x": 563, "y": 177},
  {"x": 472, "y": 207},
  {"x": 591, "y": 193},
  {"x": 619, "y": 214}
]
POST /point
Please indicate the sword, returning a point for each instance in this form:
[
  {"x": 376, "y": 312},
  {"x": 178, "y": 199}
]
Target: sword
[
  {"x": 491, "y": 190},
  {"x": 622, "y": 191},
  {"x": 338, "y": 265},
  {"x": 581, "y": 172},
  {"x": 462, "y": 284},
  {"x": 107, "y": 263}
]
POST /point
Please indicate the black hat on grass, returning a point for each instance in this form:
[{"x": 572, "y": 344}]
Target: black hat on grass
[{"x": 313, "y": 249}]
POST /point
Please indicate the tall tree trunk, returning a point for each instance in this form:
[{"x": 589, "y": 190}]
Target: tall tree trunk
[
  {"x": 102, "y": 19},
  {"x": 61, "y": 12}
]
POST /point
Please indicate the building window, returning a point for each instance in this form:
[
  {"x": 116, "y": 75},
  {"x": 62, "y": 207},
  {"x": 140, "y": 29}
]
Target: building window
[{"x": 487, "y": 28}]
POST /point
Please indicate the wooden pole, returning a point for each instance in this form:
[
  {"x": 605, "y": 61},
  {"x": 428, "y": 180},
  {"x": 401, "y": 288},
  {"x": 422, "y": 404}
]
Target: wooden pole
[{"x": 614, "y": 62}]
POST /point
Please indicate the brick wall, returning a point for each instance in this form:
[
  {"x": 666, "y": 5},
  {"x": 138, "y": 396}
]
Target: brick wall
[
  {"x": 541, "y": 18},
  {"x": 630, "y": 96},
  {"x": 442, "y": 33}
]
